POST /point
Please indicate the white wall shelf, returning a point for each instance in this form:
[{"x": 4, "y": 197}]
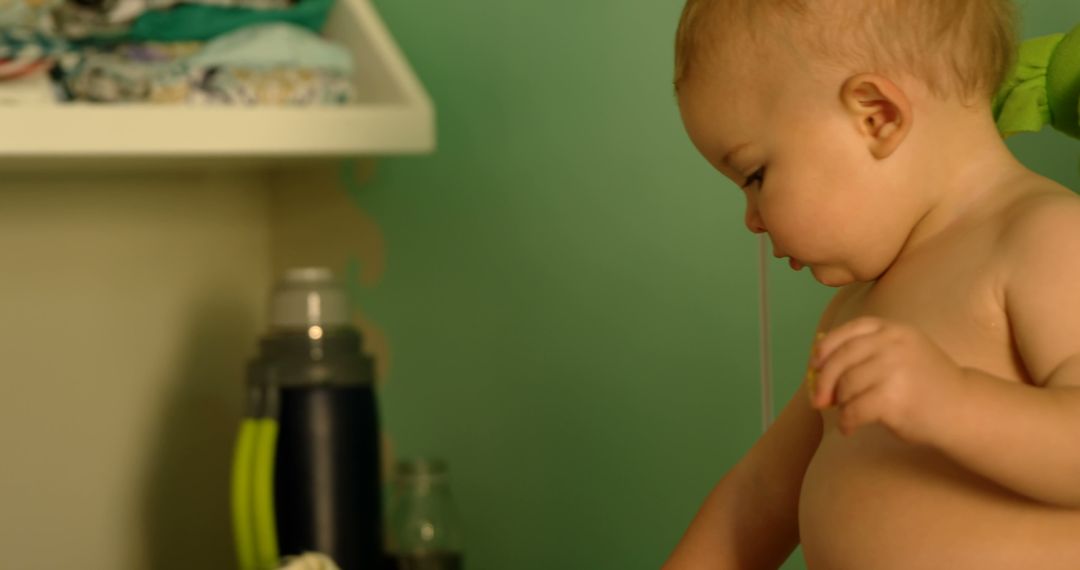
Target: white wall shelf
[
  {"x": 393, "y": 115},
  {"x": 153, "y": 286}
]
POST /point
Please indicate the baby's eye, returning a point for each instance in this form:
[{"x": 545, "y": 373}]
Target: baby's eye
[{"x": 758, "y": 177}]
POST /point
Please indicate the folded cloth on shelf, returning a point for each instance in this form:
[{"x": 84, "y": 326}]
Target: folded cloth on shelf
[
  {"x": 102, "y": 20},
  {"x": 24, "y": 52},
  {"x": 122, "y": 74},
  {"x": 107, "y": 20},
  {"x": 285, "y": 86},
  {"x": 188, "y": 22},
  {"x": 266, "y": 46},
  {"x": 166, "y": 73},
  {"x": 29, "y": 44},
  {"x": 15, "y": 68},
  {"x": 25, "y": 13}
]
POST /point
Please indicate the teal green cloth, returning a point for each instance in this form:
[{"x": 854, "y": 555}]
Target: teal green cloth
[
  {"x": 198, "y": 22},
  {"x": 273, "y": 45},
  {"x": 1043, "y": 88}
]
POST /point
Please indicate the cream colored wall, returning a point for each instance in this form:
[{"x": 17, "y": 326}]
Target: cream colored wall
[{"x": 128, "y": 304}]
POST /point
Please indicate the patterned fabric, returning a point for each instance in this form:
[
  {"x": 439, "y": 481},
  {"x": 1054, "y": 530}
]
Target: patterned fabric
[
  {"x": 25, "y": 13},
  {"x": 13, "y": 68},
  {"x": 122, "y": 74},
  {"x": 26, "y": 44},
  {"x": 253, "y": 58},
  {"x": 25, "y": 54},
  {"x": 161, "y": 73},
  {"x": 92, "y": 19},
  {"x": 235, "y": 86}
]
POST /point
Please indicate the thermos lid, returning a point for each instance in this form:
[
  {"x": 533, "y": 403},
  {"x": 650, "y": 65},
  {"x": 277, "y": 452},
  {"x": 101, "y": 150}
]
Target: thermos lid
[{"x": 306, "y": 297}]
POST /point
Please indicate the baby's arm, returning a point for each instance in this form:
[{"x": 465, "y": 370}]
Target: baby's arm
[
  {"x": 750, "y": 520},
  {"x": 1027, "y": 438}
]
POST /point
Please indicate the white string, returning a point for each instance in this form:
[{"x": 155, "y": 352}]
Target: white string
[{"x": 764, "y": 332}]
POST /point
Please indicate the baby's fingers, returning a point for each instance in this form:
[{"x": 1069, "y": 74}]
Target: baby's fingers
[
  {"x": 867, "y": 407},
  {"x": 842, "y": 334},
  {"x": 841, "y": 366}
]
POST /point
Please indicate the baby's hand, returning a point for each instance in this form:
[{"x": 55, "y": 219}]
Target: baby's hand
[{"x": 873, "y": 370}]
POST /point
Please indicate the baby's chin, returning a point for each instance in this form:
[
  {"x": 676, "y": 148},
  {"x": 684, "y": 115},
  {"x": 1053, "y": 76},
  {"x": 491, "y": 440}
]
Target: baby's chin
[{"x": 831, "y": 276}]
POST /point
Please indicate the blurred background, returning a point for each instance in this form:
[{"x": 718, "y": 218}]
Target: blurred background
[
  {"x": 562, "y": 299},
  {"x": 570, "y": 293}
]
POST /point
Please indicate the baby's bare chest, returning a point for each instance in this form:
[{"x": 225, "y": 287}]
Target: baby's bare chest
[
  {"x": 956, "y": 300},
  {"x": 871, "y": 501}
]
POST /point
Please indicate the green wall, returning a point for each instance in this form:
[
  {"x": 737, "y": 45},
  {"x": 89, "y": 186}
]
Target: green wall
[{"x": 570, "y": 295}]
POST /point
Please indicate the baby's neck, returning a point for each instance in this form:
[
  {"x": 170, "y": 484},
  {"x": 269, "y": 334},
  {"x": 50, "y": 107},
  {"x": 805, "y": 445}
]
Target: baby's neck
[{"x": 965, "y": 167}]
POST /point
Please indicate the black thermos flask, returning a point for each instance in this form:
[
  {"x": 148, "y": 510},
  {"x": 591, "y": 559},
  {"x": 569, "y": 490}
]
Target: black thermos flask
[{"x": 311, "y": 389}]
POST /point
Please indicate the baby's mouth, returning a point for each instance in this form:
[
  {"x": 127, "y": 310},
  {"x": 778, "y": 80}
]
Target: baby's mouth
[{"x": 795, "y": 264}]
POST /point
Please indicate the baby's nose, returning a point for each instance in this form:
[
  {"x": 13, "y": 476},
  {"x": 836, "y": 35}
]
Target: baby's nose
[{"x": 753, "y": 219}]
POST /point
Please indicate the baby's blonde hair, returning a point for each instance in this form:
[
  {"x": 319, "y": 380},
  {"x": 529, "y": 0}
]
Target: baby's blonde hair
[{"x": 955, "y": 47}]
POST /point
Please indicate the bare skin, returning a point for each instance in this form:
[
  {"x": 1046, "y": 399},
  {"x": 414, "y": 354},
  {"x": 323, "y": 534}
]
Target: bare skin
[
  {"x": 872, "y": 500},
  {"x": 940, "y": 428}
]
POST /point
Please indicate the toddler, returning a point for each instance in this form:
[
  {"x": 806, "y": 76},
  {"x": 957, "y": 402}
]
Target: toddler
[{"x": 939, "y": 426}]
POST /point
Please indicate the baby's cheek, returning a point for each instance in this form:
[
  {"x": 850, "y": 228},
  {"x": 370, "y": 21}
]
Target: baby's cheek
[{"x": 786, "y": 219}]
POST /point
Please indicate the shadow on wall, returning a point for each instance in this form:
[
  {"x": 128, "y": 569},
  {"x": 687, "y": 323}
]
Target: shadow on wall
[{"x": 185, "y": 517}]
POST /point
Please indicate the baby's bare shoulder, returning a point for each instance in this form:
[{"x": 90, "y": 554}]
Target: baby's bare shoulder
[
  {"x": 1041, "y": 258},
  {"x": 1043, "y": 219}
]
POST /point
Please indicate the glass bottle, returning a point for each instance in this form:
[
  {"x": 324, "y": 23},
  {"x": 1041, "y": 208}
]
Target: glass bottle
[{"x": 424, "y": 528}]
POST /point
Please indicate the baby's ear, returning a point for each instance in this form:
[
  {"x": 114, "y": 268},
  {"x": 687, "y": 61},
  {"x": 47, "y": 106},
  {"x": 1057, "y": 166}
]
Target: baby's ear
[{"x": 881, "y": 110}]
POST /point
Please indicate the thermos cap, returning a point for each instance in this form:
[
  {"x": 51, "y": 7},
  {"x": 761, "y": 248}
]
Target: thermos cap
[{"x": 308, "y": 296}]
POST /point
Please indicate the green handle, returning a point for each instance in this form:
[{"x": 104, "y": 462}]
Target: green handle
[
  {"x": 242, "y": 513},
  {"x": 265, "y": 445}
]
